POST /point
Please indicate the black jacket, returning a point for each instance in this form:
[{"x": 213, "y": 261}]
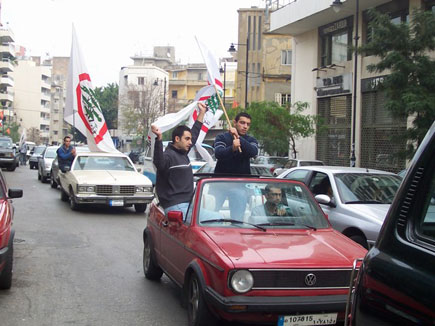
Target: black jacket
[
  {"x": 174, "y": 178},
  {"x": 229, "y": 161}
]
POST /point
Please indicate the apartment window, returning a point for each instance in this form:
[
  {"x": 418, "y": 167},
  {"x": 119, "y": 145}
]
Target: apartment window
[
  {"x": 141, "y": 80},
  {"x": 258, "y": 74},
  {"x": 249, "y": 31},
  {"x": 286, "y": 57},
  {"x": 336, "y": 40},
  {"x": 253, "y": 32},
  {"x": 282, "y": 99},
  {"x": 200, "y": 76},
  {"x": 55, "y": 132},
  {"x": 259, "y": 33},
  {"x": 174, "y": 75},
  {"x": 174, "y": 94}
]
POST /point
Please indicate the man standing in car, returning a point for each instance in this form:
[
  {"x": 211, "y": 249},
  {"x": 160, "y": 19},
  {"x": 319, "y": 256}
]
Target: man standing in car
[
  {"x": 65, "y": 154},
  {"x": 174, "y": 179}
]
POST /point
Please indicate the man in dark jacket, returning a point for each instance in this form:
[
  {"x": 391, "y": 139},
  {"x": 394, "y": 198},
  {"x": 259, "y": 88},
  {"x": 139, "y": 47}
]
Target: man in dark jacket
[
  {"x": 65, "y": 154},
  {"x": 229, "y": 158},
  {"x": 174, "y": 183}
]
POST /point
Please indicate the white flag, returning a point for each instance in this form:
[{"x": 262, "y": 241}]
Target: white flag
[
  {"x": 82, "y": 109},
  {"x": 214, "y": 76},
  {"x": 23, "y": 137}
]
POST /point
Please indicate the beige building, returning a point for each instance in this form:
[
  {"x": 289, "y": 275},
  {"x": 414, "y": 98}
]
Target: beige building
[
  {"x": 32, "y": 103},
  {"x": 264, "y": 60},
  {"x": 7, "y": 66},
  {"x": 323, "y": 75}
]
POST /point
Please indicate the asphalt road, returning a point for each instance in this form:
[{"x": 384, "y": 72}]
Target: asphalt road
[{"x": 80, "y": 268}]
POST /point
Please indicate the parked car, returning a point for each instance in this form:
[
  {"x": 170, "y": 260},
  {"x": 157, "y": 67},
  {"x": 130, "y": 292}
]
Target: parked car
[
  {"x": 45, "y": 162},
  {"x": 6, "y": 232},
  {"x": 256, "y": 268},
  {"x": 271, "y": 162},
  {"x": 256, "y": 169},
  {"x": 107, "y": 179},
  {"x": 356, "y": 200},
  {"x": 292, "y": 163},
  {"x": 36, "y": 154},
  {"x": 8, "y": 154},
  {"x": 54, "y": 172},
  {"x": 396, "y": 283}
]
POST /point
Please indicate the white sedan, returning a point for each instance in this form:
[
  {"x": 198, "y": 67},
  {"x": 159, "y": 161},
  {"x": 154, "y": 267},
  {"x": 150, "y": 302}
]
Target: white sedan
[{"x": 105, "y": 178}]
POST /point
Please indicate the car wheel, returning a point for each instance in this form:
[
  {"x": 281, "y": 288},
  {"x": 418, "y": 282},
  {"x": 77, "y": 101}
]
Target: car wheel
[
  {"x": 12, "y": 167},
  {"x": 72, "y": 201},
  {"x": 53, "y": 182},
  {"x": 140, "y": 208},
  {"x": 151, "y": 270},
  {"x": 6, "y": 275},
  {"x": 197, "y": 310},
  {"x": 43, "y": 179},
  {"x": 63, "y": 195},
  {"x": 39, "y": 176},
  {"x": 30, "y": 166},
  {"x": 360, "y": 240}
]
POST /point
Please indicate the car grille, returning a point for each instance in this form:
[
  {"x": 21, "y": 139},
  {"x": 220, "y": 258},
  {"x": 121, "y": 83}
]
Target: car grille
[
  {"x": 301, "y": 279},
  {"x": 115, "y": 190}
]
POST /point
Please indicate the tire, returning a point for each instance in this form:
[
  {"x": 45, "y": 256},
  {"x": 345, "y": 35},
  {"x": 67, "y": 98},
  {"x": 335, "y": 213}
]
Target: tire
[
  {"x": 151, "y": 270},
  {"x": 63, "y": 195},
  {"x": 53, "y": 182},
  {"x": 12, "y": 168},
  {"x": 43, "y": 179},
  {"x": 6, "y": 275},
  {"x": 361, "y": 240},
  {"x": 30, "y": 166},
  {"x": 140, "y": 208},
  {"x": 72, "y": 202},
  {"x": 39, "y": 176},
  {"x": 198, "y": 313}
]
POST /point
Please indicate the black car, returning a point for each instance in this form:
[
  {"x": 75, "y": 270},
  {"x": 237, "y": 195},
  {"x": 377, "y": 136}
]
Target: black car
[
  {"x": 8, "y": 154},
  {"x": 396, "y": 282}
]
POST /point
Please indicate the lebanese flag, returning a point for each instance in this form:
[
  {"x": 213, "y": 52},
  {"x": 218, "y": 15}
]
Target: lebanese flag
[
  {"x": 214, "y": 76},
  {"x": 82, "y": 109}
]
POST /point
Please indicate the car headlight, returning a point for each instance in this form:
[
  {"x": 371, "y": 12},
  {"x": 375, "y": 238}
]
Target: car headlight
[
  {"x": 47, "y": 165},
  {"x": 144, "y": 189},
  {"x": 86, "y": 188},
  {"x": 242, "y": 281}
]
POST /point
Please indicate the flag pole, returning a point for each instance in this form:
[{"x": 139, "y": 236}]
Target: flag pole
[{"x": 225, "y": 111}]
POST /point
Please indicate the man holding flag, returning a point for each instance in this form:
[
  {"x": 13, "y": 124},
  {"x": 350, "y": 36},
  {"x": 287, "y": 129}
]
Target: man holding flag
[{"x": 174, "y": 180}]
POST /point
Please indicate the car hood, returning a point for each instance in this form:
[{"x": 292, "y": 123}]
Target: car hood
[
  {"x": 375, "y": 212},
  {"x": 286, "y": 248},
  {"x": 111, "y": 177}
]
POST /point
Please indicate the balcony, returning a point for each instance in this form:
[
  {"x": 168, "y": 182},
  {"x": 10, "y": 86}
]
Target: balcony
[
  {"x": 6, "y": 65},
  {"x": 6, "y": 96},
  {"x": 45, "y": 96},
  {"x": 6, "y": 80},
  {"x": 45, "y": 84},
  {"x": 6, "y": 35},
  {"x": 7, "y": 48}
]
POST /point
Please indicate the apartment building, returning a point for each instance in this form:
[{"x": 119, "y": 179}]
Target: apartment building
[{"x": 7, "y": 66}]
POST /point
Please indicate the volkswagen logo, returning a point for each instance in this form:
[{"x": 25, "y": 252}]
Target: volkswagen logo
[{"x": 310, "y": 279}]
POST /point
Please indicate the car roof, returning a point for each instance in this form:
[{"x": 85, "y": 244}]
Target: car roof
[
  {"x": 339, "y": 169},
  {"x": 53, "y": 146}
]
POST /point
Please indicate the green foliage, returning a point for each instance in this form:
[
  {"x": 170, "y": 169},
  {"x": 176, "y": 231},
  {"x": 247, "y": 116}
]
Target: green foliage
[
  {"x": 403, "y": 50},
  {"x": 107, "y": 96}
]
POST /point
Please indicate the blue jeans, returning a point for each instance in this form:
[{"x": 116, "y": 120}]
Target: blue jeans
[{"x": 182, "y": 207}]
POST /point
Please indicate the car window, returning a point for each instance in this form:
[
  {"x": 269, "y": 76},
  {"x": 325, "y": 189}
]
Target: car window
[
  {"x": 298, "y": 175},
  {"x": 310, "y": 163},
  {"x": 5, "y": 143},
  {"x": 102, "y": 163},
  {"x": 320, "y": 184},
  {"x": 273, "y": 204},
  {"x": 39, "y": 149},
  {"x": 425, "y": 226},
  {"x": 367, "y": 188},
  {"x": 188, "y": 217},
  {"x": 50, "y": 153}
]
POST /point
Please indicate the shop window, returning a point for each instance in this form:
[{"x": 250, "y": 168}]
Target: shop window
[{"x": 286, "y": 57}]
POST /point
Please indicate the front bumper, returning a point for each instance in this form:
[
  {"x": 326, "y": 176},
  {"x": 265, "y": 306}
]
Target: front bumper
[
  {"x": 7, "y": 161},
  {"x": 105, "y": 200},
  {"x": 278, "y": 305}
]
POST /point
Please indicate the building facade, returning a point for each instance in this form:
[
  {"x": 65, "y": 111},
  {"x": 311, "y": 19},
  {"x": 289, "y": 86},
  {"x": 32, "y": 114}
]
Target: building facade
[
  {"x": 323, "y": 74},
  {"x": 7, "y": 66}
]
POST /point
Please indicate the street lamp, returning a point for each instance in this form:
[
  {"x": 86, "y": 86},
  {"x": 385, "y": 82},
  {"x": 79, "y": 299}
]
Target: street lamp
[
  {"x": 224, "y": 71},
  {"x": 232, "y": 49},
  {"x": 337, "y": 5}
]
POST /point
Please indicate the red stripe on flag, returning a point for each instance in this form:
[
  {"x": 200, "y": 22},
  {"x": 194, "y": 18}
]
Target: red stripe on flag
[
  {"x": 195, "y": 115},
  {"x": 218, "y": 82},
  {"x": 204, "y": 98},
  {"x": 204, "y": 128},
  {"x": 100, "y": 135}
]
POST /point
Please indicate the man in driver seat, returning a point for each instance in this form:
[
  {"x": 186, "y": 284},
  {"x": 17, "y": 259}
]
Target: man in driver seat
[{"x": 273, "y": 205}]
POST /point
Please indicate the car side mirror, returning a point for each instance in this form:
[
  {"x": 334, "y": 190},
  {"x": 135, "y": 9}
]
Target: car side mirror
[
  {"x": 175, "y": 217},
  {"x": 325, "y": 200},
  {"x": 15, "y": 193}
]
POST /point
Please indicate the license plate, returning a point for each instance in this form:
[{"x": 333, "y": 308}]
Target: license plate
[
  {"x": 308, "y": 320},
  {"x": 116, "y": 202}
]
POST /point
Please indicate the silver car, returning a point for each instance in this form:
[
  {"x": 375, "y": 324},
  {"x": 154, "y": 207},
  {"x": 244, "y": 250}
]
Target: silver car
[
  {"x": 45, "y": 162},
  {"x": 356, "y": 200}
]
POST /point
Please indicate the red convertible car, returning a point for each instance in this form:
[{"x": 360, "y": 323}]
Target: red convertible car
[{"x": 252, "y": 250}]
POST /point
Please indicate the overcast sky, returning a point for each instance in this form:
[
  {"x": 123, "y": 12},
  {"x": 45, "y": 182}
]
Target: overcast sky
[{"x": 110, "y": 32}]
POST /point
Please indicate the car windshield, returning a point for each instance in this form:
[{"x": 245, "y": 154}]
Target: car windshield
[
  {"x": 277, "y": 160},
  {"x": 5, "y": 143},
  {"x": 103, "y": 163},
  {"x": 51, "y": 153},
  {"x": 367, "y": 188},
  {"x": 38, "y": 150},
  {"x": 270, "y": 204}
]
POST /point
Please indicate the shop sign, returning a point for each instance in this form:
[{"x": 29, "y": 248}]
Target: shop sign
[
  {"x": 371, "y": 84},
  {"x": 335, "y": 85},
  {"x": 336, "y": 26}
]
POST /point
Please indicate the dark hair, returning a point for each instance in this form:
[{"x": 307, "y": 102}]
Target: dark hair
[
  {"x": 179, "y": 131},
  {"x": 66, "y": 137},
  {"x": 269, "y": 187},
  {"x": 242, "y": 114}
]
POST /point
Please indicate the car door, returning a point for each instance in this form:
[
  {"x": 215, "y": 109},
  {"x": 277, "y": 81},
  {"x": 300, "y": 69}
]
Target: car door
[{"x": 174, "y": 242}]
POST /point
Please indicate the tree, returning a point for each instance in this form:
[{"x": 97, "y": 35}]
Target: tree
[
  {"x": 33, "y": 135},
  {"x": 403, "y": 50},
  {"x": 275, "y": 126},
  {"x": 108, "y": 99},
  {"x": 141, "y": 105}
]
